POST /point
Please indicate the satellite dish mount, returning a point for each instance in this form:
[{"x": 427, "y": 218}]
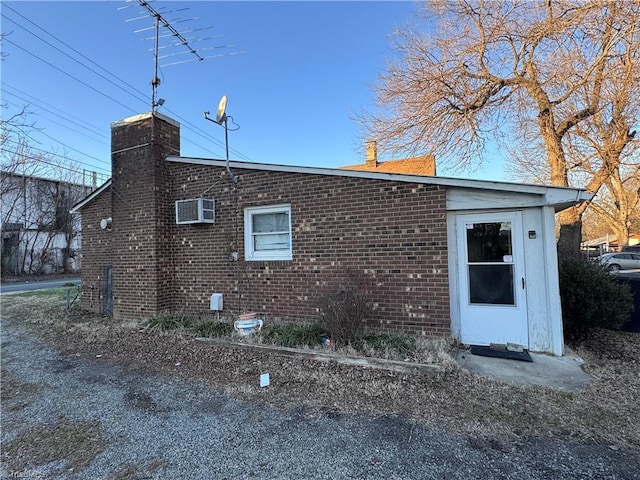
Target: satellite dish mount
[{"x": 222, "y": 120}]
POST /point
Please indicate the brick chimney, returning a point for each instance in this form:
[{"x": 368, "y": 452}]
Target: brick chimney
[
  {"x": 371, "y": 148},
  {"x": 141, "y": 214}
]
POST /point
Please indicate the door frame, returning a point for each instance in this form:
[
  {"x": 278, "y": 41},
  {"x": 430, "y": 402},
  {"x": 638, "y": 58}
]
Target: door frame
[{"x": 472, "y": 333}]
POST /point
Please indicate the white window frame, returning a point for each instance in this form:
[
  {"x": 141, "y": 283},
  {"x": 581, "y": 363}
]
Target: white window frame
[{"x": 250, "y": 253}]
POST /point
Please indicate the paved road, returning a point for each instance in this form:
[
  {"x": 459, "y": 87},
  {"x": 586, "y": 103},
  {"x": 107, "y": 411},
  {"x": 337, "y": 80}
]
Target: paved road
[
  {"x": 635, "y": 273},
  {"x": 15, "y": 287},
  {"x": 128, "y": 423}
]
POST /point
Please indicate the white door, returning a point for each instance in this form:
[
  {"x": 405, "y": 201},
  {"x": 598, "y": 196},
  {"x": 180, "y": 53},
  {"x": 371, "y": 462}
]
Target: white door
[{"x": 492, "y": 281}]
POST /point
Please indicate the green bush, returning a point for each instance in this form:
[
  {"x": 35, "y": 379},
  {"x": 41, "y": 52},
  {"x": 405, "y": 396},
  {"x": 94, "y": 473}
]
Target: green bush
[
  {"x": 293, "y": 335},
  {"x": 211, "y": 328},
  {"x": 168, "y": 321},
  {"x": 199, "y": 326},
  {"x": 591, "y": 298}
]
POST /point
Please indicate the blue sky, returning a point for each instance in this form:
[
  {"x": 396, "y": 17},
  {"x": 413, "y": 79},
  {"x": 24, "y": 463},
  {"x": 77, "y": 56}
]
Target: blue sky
[{"x": 306, "y": 70}]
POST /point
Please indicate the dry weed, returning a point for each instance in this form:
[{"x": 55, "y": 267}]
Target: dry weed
[
  {"x": 608, "y": 412},
  {"x": 76, "y": 443}
]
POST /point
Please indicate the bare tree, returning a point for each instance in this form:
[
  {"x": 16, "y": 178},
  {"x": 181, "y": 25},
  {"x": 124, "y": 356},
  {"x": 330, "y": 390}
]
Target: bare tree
[
  {"x": 605, "y": 147},
  {"x": 38, "y": 190},
  {"x": 618, "y": 205},
  {"x": 519, "y": 72},
  {"x": 602, "y": 150}
]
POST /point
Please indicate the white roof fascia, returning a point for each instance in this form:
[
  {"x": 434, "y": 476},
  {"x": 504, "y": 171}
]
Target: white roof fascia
[
  {"x": 78, "y": 206},
  {"x": 562, "y": 197}
]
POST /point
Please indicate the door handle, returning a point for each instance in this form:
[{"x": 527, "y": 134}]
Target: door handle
[{"x": 523, "y": 283}]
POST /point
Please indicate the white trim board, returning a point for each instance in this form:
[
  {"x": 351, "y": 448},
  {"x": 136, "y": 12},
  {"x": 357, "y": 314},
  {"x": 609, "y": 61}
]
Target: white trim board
[{"x": 549, "y": 195}]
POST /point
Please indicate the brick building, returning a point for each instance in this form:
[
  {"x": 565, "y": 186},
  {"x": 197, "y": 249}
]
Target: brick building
[{"x": 446, "y": 256}]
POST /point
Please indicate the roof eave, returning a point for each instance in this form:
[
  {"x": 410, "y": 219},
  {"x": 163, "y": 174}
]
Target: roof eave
[
  {"x": 78, "y": 206},
  {"x": 569, "y": 192},
  {"x": 560, "y": 200}
]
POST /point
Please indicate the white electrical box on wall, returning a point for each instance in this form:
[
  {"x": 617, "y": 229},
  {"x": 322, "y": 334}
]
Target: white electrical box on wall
[{"x": 216, "y": 301}]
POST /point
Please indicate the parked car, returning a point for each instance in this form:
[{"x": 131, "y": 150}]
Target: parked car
[
  {"x": 631, "y": 248},
  {"x": 620, "y": 261}
]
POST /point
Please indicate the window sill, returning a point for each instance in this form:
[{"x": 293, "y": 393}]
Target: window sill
[{"x": 269, "y": 258}]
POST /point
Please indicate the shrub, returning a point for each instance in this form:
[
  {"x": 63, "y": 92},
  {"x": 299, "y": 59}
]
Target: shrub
[
  {"x": 345, "y": 307},
  {"x": 168, "y": 321},
  {"x": 293, "y": 335},
  {"x": 591, "y": 298},
  {"x": 211, "y": 328}
]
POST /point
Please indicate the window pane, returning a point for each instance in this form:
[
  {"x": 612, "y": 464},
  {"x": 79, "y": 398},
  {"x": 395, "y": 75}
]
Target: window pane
[
  {"x": 271, "y": 242},
  {"x": 271, "y": 222},
  {"x": 489, "y": 242},
  {"x": 491, "y": 284}
]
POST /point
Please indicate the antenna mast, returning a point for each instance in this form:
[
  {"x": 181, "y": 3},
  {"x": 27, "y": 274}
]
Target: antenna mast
[
  {"x": 179, "y": 41},
  {"x": 160, "y": 20},
  {"x": 155, "y": 81}
]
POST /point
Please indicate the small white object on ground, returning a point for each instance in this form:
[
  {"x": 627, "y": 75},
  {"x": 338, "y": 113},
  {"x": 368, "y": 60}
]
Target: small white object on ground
[{"x": 264, "y": 380}]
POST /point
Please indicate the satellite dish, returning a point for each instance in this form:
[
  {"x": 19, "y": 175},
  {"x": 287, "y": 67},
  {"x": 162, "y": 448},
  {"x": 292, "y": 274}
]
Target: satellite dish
[{"x": 222, "y": 106}]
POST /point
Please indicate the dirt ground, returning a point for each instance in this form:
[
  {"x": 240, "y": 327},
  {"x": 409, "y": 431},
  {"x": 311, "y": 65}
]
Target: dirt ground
[{"x": 606, "y": 415}]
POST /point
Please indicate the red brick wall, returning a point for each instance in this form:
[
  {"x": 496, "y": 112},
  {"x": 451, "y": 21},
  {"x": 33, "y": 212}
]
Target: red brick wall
[
  {"x": 392, "y": 232},
  {"x": 96, "y": 250},
  {"x": 140, "y": 189}
]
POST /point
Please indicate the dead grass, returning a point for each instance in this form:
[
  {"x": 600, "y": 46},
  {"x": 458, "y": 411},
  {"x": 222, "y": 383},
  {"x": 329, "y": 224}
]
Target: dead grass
[
  {"x": 429, "y": 350},
  {"x": 607, "y": 413},
  {"x": 75, "y": 443}
]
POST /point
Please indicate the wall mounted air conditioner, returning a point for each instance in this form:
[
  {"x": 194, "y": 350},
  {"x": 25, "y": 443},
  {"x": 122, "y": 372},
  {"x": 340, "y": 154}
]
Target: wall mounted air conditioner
[{"x": 195, "y": 210}]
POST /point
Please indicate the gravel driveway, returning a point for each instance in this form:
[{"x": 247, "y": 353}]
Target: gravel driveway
[{"x": 77, "y": 417}]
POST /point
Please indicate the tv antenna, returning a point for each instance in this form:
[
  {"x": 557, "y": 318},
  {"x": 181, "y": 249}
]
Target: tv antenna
[{"x": 178, "y": 39}]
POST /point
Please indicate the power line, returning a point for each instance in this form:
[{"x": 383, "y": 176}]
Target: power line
[
  {"x": 63, "y": 157},
  {"x": 45, "y": 162},
  {"x": 185, "y": 138},
  {"x": 75, "y": 149},
  {"x": 58, "y": 123},
  {"x": 189, "y": 126},
  {"x": 66, "y": 146},
  {"x": 129, "y": 86},
  {"x": 31, "y": 99},
  {"x": 186, "y": 122},
  {"x": 49, "y": 153},
  {"x": 69, "y": 75},
  {"x": 206, "y": 136}
]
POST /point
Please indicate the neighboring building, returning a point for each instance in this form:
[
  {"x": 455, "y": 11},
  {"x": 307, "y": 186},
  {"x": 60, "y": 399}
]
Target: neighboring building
[
  {"x": 472, "y": 259},
  {"x": 608, "y": 243},
  {"x": 39, "y": 235},
  {"x": 425, "y": 165}
]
